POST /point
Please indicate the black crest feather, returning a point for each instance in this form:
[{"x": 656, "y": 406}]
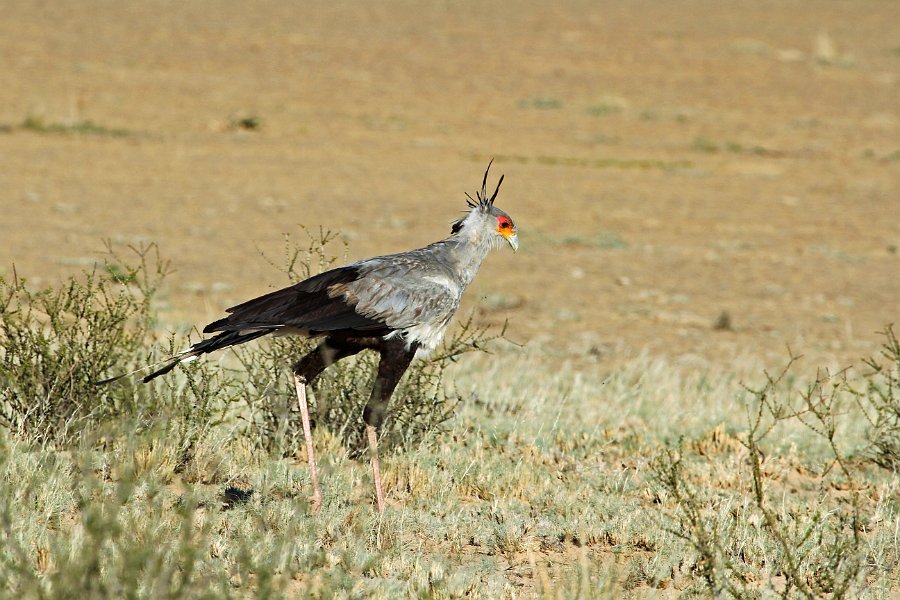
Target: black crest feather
[{"x": 481, "y": 200}]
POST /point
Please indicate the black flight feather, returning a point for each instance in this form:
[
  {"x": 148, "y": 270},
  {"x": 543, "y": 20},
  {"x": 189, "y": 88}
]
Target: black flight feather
[
  {"x": 223, "y": 340},
  {"x": 307, "y": 305}
]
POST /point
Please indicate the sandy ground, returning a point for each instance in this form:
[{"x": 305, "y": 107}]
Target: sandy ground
[{"x": 667, "y": 162}]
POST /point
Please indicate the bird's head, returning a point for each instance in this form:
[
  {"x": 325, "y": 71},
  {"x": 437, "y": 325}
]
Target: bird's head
[{"x": 485, "y": 220}]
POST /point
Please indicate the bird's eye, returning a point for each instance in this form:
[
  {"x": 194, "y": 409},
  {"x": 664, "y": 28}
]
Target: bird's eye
[{"x": 505, "y": 224}]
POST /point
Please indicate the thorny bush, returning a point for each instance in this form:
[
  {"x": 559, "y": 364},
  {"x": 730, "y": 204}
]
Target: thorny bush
[
  {"x": 813, "y": 550},
  {"x": 54, "y": 342}
]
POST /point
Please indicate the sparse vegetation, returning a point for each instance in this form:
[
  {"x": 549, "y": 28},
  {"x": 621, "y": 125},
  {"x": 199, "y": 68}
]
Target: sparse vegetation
[
  {"x": 541, "y": 103},
  {"x": 603, "y": 110},
  {"x": 245, "y": 123},
  {"x": 545, "y": 482},
  {"x": 38, "y": 124},
  {"x": 812, "y": 545},
  {"x": 548, "y": 480},
  {"x": 702, "y": 144},
  {"x": 55, "y": 343},
  {"x": 880, "y": 403}
]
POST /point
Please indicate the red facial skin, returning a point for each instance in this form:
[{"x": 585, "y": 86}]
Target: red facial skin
[{"x": 504, "y": 224}]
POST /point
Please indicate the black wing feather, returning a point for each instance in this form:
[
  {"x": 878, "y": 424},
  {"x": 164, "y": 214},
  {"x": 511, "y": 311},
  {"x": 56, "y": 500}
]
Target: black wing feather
[
  {"x": 225, "y": 339},
  {"x": 307, "y": 305}
]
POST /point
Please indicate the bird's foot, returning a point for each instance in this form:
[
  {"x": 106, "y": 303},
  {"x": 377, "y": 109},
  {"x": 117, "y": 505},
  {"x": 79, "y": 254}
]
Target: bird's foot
[{"x": 315, "y": 502}]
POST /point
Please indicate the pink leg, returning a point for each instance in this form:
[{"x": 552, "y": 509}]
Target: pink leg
[
  {"x": 300, "y": 382},
  {"x": 376, "y": 469}
]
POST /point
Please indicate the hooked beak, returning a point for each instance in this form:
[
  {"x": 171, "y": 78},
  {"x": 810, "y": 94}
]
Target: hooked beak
[{"x": 513, "y": 240}]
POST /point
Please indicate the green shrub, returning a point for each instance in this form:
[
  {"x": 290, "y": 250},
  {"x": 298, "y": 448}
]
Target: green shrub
[
  {"x": 880, "y": 401},
  {"x": 810, "y": 543},
  {"x": 56, "y": 342}
]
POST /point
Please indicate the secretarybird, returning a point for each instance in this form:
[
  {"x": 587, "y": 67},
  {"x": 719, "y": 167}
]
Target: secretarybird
[{"x": 397, "y": 304}]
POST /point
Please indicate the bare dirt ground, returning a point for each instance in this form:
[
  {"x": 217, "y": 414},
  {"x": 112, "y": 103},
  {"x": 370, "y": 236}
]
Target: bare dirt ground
[{"x": 667, "y": 162}]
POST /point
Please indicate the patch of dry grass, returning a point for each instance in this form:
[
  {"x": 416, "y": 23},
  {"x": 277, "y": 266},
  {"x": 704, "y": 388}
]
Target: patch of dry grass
[{"x": 550, "y": 480}]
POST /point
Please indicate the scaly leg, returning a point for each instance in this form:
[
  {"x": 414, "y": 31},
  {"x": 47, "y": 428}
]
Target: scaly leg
[
  {"x": 305, "y": 372},
  {"x": 300, "y": 382},
  {"x": 376, "y": 468},
  {"x": 395, "y": 359}
]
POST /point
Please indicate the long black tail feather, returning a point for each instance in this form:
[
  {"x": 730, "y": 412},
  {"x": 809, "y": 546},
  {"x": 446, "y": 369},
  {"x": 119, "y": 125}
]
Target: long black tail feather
[{"x": 226, "y": 339}]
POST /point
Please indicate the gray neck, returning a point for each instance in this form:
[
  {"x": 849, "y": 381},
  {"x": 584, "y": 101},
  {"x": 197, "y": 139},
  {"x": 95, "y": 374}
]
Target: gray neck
[{"x": 463, "y": 254}]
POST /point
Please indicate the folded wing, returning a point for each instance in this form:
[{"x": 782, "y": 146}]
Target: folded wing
[{"x": 373, "y": 297}]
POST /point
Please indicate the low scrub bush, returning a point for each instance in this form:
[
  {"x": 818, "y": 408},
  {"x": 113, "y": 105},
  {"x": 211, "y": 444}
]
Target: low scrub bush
[
  {"x": 791, "y": 526},
  {"x": 54, "y": 343},
  {"x": 880, "y": 402}
]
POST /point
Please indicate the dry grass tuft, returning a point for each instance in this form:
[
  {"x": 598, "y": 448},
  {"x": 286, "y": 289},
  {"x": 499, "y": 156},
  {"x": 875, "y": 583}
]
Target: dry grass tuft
[{"x": 650, "y": 480}]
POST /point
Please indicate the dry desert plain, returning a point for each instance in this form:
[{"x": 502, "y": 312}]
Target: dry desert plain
[{"x": 700, "y": 183}]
